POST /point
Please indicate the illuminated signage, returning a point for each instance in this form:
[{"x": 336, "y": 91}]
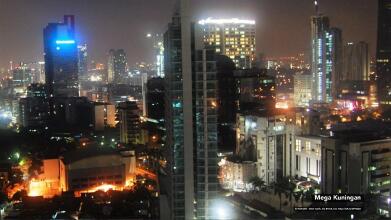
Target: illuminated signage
[{"x": 65, "y": 41}]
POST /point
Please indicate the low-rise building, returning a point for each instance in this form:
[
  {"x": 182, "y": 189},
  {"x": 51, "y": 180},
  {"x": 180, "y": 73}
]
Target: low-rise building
[
  {"x": 358, "y": 162},
  {"x": 235, "y": 174},
  {"x": 308, "y": 157},
  {"x": 85, "y": 170},
  {"x": 266, "y": 139}
]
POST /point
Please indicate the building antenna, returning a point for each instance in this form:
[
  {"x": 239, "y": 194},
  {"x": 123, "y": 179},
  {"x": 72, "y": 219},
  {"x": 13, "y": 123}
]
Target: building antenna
[{"x": 316, "y": 4}]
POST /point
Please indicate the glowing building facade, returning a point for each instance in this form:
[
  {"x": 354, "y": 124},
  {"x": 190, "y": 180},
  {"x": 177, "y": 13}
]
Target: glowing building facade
[
  {"x": 234, "y": 38},
  {"x": 326, "y": 44},
  {"x": 302, "y": 89},
  {"x": 82, "y": 59}
]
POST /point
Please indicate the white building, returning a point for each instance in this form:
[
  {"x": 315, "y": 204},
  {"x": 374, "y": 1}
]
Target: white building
[
  {"x": 308, "y": 157},
  {"x": 235, "y": 175},
  {"x": 266, "y": 140}
]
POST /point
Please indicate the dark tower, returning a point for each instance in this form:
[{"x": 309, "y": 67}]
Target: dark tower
[
  {"x": 61, "y": 61},
  {"x": 383, "y": 54}
]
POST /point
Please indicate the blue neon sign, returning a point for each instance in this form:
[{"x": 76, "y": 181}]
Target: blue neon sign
[{"x": 65, "y": 41}]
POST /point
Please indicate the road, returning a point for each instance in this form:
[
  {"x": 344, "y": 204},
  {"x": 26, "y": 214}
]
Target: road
[{"x": 232, "y": 212}]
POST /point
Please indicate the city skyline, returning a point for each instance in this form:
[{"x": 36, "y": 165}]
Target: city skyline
[
  {"x": 219, "y": 109},
  {"x": 98, "y": 22}
]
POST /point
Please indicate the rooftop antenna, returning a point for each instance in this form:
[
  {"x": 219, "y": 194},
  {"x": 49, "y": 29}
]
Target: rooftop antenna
[{"x": 316, "y": 4}]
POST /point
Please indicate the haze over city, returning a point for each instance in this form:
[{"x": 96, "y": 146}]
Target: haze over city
[
  {"x": 195, "y": 109},
  {"x": 282, "y": 26}
]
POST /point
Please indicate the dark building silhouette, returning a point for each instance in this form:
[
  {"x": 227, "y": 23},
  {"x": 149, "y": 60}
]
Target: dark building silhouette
[
  {"x": 155, "y": 98},
  {"x": 256, "y": 89},
  {"x": 61, "y": 69},
  {"x": 227, "y": 102},
  {"x": 116, "y": 66},
  {"x": 383, "y": 54}
]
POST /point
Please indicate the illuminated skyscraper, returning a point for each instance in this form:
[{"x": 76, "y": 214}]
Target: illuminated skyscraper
[
  {"x": 234, "y": 38},
  {"x": 22, "y": 76},
  {"x": 159, "y": 53},
  {"x": 82, "y": 59},
  {"x": 326, "y": 48},
  {"x": 61, "y": 58},
  {"x": 356, "y": 61},
  {"x": 383, "y": 55},
  {"x": 116, "y": 66},
  {"x": 191, "y": 119}
]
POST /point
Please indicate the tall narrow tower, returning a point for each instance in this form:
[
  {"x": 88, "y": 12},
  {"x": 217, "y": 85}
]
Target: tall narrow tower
[
  {"x": 326, "y": 53},
  {"x": 383, "y": 54},
  {"x": 191, "y": 118}
]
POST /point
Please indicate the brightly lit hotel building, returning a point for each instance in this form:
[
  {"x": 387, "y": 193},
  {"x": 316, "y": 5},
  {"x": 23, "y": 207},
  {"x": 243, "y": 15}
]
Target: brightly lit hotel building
[{"x": 234, "y": 38}]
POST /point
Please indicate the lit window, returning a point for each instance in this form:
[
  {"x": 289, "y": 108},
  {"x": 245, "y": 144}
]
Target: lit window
[
  {"x": 298, "y": 145},
  {"x": 308, "y": 146}
]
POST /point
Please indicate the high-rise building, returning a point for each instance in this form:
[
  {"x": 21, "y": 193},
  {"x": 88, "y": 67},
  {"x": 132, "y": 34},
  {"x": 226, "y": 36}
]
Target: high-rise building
[
  {"x": 191, "y": 119},
  {"x": 22, "y": 76},
  {"x": 383, "y": 53},
  {"x": 129, "y": 122},
  {"x": 227, "y": 101},
  {"x": 61, "y": 58},
  {"x": 82, "y": 59},
  {"x": 326, "y": 46},
  {"x": 116, "y": 66},
  {"x": 157, "y": 40},
  {"x": 155, "y": 98},
  {"x": 302, "y": 83},
  {"x": 234, "y": 38},
  {"x": 355, "y": 61}
]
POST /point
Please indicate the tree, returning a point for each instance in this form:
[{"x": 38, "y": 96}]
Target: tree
[
  {"x": 19, "y": 195},
  {"x": 308, "y": 194},
  {"x": 256, "y": 182},
  {"x": 3, "y": 197}
]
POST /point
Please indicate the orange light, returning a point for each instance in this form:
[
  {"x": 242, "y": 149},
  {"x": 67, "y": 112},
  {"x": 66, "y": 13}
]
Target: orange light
[
  {"x": 105, "y": 187},
  {"x": 36, "y": 188},
  {"x": 282, "y": 105}
]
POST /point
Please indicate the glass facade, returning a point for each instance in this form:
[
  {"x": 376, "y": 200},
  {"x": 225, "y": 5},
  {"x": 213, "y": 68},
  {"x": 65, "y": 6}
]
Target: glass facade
[
  {"x": 326, "y": 59},
  {"x": 61, "y": 60},
  {"x": 204, "y": 118},
  {"x": 383, "y": 55}
]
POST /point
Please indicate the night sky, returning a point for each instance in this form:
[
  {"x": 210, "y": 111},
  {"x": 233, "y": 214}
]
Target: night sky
[{"x": 283, "y": 27}]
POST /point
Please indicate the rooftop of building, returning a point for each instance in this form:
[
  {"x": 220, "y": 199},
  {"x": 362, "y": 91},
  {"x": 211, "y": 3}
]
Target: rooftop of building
[
  {"x": 225, "y": 21},
  {"x": 267, "y": 112},
  {"x": 317, "y": 137},
  {"x": 365, "y": 131},
  {"x": 83, "y": 153}
]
